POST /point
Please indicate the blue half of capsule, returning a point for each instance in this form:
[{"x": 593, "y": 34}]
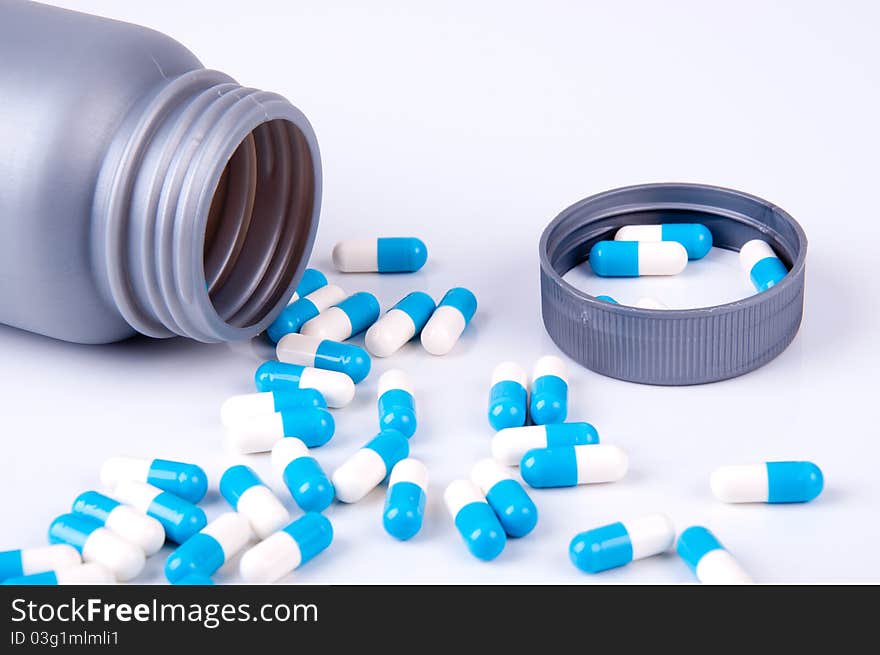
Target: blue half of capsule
[
  {"x": 200, "y": 554},
  {"x": 404, "y": 510},
  {"x": 278, "y": 376},
  {"x": 310, "y": 487},
  {"x": 695, "y": 237},
  {"x": 312, "y": 533},
  {"x": 515, "y": 509},
  {"x": 188, "y": 481},
  {"x": 312, "y": 279},
  {"x": 482, "y": 532},
  {"x": 362, "y": 310},
  {"x": 508, "y": 405},
  {"x": 397, "y": 411},
  {"x": 550, "y": 467},
  {"x": 549, "y": 400},
  {"x": 601, "y": 548},
  {"x": 793, "y": 482},
  {"x": 400, "y": 254},
  {"x": 343, "y": 357},
  {"x": 314, "y": 426},
  {"x": 292, "y": 318}
]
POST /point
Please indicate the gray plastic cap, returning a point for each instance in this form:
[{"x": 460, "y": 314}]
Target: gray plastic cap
[{"x": 672, "y": 347}]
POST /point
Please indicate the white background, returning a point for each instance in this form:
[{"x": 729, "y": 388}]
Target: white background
[{"x": 471, "y": 125}]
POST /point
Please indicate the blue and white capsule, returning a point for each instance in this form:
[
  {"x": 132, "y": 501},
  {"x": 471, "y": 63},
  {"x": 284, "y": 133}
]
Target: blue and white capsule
[
  {"x": 366, "y": 468},
  {"x": 634, "y": 259},
  {"x": 765, "y": 269},
  {"x": 567, "y": 466},
  {"x": 452, "y": 316},
  {"x": 336, "y": 388},
  {"x": 508, "y": 398},
  {"x": 79, "y": 574},
  {"x": 287, "y": 549},
  {"x": 397, "y": 403},
  {"x": 98, "y": 544},
  {"x": 258, "y": 434},
  {"x": 618, "y": 544},
  {"x": 312, "y": 279},
  {"x": 768, "y": 482},
  {"x": 310, "y": 487},
  {"x": 180, "y": 518},
  {"x": 509, "y": 445},
  {"x": 548, "y": 401},
  {"x": 130, "y": 524},
  {"x": 405, "y": 500},
  {"x": 293, "y": 317},
  {"x": 188, "y": 481},
  {"x": 32, "y": 561},
  {"x": 695, "y": 237},
  {"x": 399, "y": 324},
  {"x": 512, "y": 505},
  {"x": 382, "y": 255},
  {"x": 244, "y": 406},
  {"x": 324, "y": 354},
  {"x": 206, "y": 551},
  {"x": 708, "y": 559},
  {"x": 345, "y": 319},
  {"x": 475, "y": 520},
  {"x": 246, "y": 493}
]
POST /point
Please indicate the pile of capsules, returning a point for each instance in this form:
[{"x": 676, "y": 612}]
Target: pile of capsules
[
  {"x": 106, "y": 538},
  {"x": 639, "y": 250}
]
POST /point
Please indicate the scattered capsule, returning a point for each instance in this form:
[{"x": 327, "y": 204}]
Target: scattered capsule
[
  {"x": 345, "y": 319},
  {"x": 312, "y": 279},
  {"x": 650, "y": 303},
  {"x": 209, "y": 549},
  {"x": 187, "y": 481},
  {"x": 765, "y": 269},
  {"x": 405, "y": 500},
  {"x": 365, "y": 469},
  {"x": 399, "y": 324},
  {"x": 509, "y": 445},
  {"x": 31, "y": 561},
  {"x": 769, "y": 482},
  {"x": 708, "y": 559},
  {"x": 382, "y": 255},
  {"x": 512, "y": 505},
  {"x": 293, "y": 317},
  {"x": 287, "y": 549},
  {"x": 79, "y": 574},
  {"x": 336, "y": 388},
  {"x": 695, "y": 237},
  {"x": 633, "y": 259},
  {"x": 180, "y": 518},
  {"x": 244, "y": 406},
  {"x": 97, "y": 544},
  {"x": 258, "y": 434},
  {"x": 475, "y": 520},
  {"x": 130, "y": 524},
  {"x": 248, "y": 496},
  {"x": 455, "y": 311},
  {"x": 608, "y": 299},
  {"x": 396, "y": 401},
  {"x": 567, "y": 466},
  {"x": 196, "y": 580},
  {"x": 548, "y": 402},
  {"x": 308, "y": 484},
  {"x": 324, "y": 354},
  {"x": 508, "y": 398},
  {"x": 618, "y": 544}
]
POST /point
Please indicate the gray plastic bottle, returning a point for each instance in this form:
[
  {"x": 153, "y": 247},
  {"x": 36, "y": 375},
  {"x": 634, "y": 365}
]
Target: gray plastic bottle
[{"x": 140, "y": 192}]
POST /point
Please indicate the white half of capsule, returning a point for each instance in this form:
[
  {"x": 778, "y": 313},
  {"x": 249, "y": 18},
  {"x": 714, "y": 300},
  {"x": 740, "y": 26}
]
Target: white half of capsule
[
  {"x": 271, "y": 559},
  {"x": 356, "y": 256},
  {"x": 650, "y": 535},
  {"x": 119, "y": 469},
  {"x": 752, "y": 252},
  {"x": 263, "y": 509},
  {"x": 232, "y": 531},
  {"x": 358, "y": 475},
  {"x": 486, "y": 473},
  {"x": 137, "y": 528},
  {"x": 256, "y": 434},
  {"x": 747, "y": 483},
  {"x": 236, "y": 409},
  {"x": 662, "y": 258},
  {"x": 394, "y": 379},
  {"x": 139, "y": 495},
  {"x": 443, "y": 330},
  {"x": 337, "y": 388},
  {"x": 550, "y": 365},
  {"x": 509, "y": 372},
  {"x": 600, "y": 463},
  {"x": 650, "y": 303},
  {"x": 639, "y": 233},
  {"x": 123, "y": 559},
  {"x": 719, "y": 567},
  {"x": 56, "y": 557},
  {"x": 459, "y": 494},
  {"x": 89, "y": 573},
  {"x": 390, "y": 333},
  {"x": 325, "y": 297},
  {"x": 297, "y": 349},
  {"x": 409, "y": 470},
  {"x": 332, "y": 323},
  {"x": 510, "y": 444},
  {"x": 287, "y": 450}
]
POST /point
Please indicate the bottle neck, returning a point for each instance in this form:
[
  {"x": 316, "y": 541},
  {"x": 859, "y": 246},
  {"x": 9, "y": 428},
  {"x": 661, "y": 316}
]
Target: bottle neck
[{"x": 206, "y": 209}]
